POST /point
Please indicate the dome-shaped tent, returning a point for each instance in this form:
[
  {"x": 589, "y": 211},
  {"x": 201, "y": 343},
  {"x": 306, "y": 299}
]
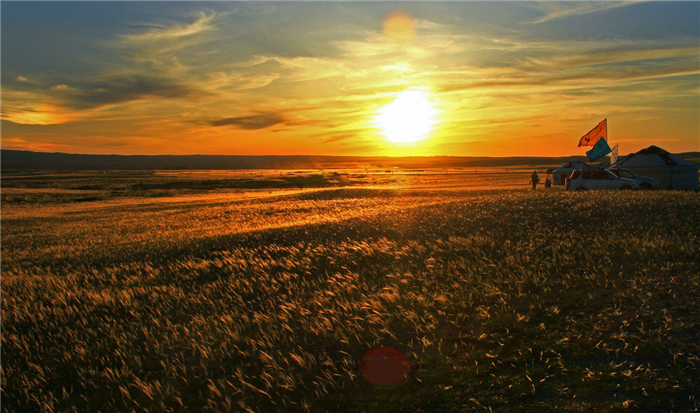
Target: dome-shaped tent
[{"x": 672, "y": 171}]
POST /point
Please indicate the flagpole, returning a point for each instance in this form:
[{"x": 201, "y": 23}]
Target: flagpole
[{"x": 607, "y": 137}]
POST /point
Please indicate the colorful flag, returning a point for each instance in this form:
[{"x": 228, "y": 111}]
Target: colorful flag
[
  {"x": 600, "y": 149},
  {"x": 600, "y": 131},
  {"x": 614, "y": 154}
]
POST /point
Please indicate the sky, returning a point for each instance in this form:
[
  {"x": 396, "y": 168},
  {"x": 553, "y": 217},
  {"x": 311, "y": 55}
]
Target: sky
[{"x": 476, "y": 78}]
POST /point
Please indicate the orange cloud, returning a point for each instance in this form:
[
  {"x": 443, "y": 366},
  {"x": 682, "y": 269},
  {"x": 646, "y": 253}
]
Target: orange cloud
[{"x": 30, "y": 108}]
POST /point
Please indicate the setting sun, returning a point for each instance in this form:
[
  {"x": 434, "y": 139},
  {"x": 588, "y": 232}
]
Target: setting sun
[{"x": 409, "y": 118}]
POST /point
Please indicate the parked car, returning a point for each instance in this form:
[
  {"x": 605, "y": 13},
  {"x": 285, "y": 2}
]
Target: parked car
[
  {"x": 587, "y": 179},
  {"x": 643, "y": 182}
]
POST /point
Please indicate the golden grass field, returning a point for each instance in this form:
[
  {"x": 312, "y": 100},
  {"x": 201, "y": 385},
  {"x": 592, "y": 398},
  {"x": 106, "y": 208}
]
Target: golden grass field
[{"x": 260, "y": 292}]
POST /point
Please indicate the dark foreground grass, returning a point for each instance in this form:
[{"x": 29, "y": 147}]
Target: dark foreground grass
[{"x": 501, "y": 301}]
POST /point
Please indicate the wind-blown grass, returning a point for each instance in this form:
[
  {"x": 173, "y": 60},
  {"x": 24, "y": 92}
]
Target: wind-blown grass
[{"x": 501, "y": 299}]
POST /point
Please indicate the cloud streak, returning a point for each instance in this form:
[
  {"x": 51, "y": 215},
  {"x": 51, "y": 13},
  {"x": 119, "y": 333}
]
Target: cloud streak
[
  {"x": 121, "y": 88},
  {"x": 251, "y": 122},
  {"x": 563, "y": 10},
  {"x": 203, "y": 23}
]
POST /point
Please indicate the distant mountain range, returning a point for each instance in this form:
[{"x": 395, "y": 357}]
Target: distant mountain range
[{"x": 12, "y": 160}]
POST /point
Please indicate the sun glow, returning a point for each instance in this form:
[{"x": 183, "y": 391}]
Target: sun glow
[{"x": 409, "y": 118}]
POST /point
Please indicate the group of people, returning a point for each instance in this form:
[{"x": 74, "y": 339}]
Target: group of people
[{"x": 536, "y": 179}]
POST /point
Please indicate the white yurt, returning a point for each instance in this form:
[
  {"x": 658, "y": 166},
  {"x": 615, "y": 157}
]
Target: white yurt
[
  {"x": 672, "y": 171},
  {"x": 560, "y": 174}
]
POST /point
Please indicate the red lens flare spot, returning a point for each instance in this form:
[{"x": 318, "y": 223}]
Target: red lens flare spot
[{"x": 384, "y": 365}]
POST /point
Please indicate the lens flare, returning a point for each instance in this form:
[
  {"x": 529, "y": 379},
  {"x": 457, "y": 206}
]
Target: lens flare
[
  {"x": 384, "y": 365},
  {"x": 399, "y": 27}
]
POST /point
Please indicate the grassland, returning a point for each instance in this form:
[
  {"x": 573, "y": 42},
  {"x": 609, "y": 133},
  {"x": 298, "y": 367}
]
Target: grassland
[{"x": 181, "y": 292}]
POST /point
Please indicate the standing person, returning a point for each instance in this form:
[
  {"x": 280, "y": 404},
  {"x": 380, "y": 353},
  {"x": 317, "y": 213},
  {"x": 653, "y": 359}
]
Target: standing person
[{"x": 535, "y": 179}]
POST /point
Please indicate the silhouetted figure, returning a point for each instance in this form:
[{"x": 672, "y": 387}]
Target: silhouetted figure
[{"x": 535, "y": 179}]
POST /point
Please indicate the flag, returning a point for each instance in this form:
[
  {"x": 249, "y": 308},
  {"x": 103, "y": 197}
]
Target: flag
[
  {"x": 614, "y": 155},
  {"x": 600, "y": 149},
  {"x": 600, "y": 131}
]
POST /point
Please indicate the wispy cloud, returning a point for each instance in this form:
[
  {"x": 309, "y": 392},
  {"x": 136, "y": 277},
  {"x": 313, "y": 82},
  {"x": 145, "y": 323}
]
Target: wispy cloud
[
  {"x": 561, "y": 10},
  {"x": 588, "y": 64},
  {"x": 69, "y": 98},
  {"x": 202, "y": 23},
  {"x": 162, "y": 47}
]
